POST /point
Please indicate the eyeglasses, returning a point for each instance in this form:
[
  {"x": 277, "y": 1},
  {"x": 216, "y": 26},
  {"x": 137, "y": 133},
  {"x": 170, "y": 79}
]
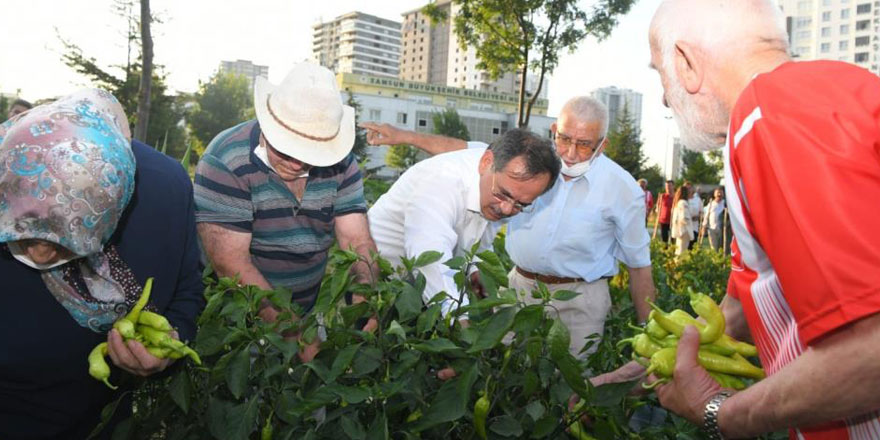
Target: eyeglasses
[
  {"x": 504, "y": 198},
  {"x": 583, "y": 146}
]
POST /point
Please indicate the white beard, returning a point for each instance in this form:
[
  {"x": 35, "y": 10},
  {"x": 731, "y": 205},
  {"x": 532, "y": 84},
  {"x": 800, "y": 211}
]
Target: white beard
[{"x": 689, "y": 119}]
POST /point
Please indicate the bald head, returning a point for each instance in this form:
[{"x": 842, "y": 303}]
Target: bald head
[{"x": 725, "y": 28}]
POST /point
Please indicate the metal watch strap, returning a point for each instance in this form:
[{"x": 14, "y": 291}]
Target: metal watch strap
[{"x": 710, "y": 416}]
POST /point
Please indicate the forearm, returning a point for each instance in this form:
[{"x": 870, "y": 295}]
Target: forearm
[
  {"x": 735, "y": 321},
  {"x": 838, "y": 379},
  {"x": 434, "y": 144},
  {"x": 365, "y": 269},
  {"x": 247, "y": 273},
  {"x": 641, "y": 287}
]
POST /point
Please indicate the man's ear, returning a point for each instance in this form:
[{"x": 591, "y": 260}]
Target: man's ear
[
  {"x": 486, "y": 161},
  {"x": 689, "y": 66}
]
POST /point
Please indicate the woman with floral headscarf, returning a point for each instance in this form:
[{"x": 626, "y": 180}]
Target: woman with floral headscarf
[{"x": 86, "y": 216}]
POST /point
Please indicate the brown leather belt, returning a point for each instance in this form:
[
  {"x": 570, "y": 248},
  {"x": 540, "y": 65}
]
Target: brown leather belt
[{"x": 547, "y": 279}]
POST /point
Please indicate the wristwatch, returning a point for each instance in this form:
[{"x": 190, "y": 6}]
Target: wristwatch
[{"x": 710, "y": 416}]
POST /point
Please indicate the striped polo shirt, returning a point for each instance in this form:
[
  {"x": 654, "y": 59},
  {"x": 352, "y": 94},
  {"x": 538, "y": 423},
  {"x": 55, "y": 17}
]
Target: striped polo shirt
[{"x": 290, "y": 238}]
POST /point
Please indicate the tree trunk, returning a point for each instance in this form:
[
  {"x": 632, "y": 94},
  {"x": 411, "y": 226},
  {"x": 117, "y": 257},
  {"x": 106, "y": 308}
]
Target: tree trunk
[
  {"x": 537, "y": 90},
  {"x": 521, "y": 123},
  {"x": 143, "y": 109}
]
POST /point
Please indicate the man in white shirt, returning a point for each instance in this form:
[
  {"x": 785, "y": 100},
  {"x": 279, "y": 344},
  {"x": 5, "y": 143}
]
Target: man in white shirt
[
  {"x": 712, "y": 222},
  {"x": 695, "y": 208},
  {"x": 449, "y": 202},
  {"x": 592, "y": 219}
]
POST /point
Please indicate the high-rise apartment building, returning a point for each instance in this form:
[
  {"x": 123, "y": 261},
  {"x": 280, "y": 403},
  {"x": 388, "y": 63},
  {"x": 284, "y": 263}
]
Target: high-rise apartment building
[
  {"x": 845, "y": 30},
  {"x": 358, "y": 43},
  {"x": 246, "y": 68},
  {"x": 615, "y": 99},
  {"x": 431, "y": 53}
]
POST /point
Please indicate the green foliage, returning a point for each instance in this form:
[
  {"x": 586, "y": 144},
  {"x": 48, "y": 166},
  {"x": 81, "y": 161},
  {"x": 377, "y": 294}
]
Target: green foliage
[
  {"x": 527, "y": 35},
  {"x": 697, "y": 169},
  {"x": 625, "y": 146},
  {"x": 374, "y": 188},
  {"x": 4, "y": 107},
  {"x": 401, "y": 156},
  {"x": 448, "y": 123},
  {"x": 360, "y": 140},
  {"x": 655, "y": 179},
  {"x": 222, "y": 102}
]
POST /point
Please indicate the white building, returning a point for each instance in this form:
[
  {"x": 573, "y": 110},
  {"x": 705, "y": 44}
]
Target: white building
[
  {"x": 845, "y": 30},
  {"x": 677, "y": 160},
  {"x": 246, "y": 68},
  {"x": 615, "y": 99},
  {"x": 358, "y": 43},
  {"x": 411, "y": 105}
]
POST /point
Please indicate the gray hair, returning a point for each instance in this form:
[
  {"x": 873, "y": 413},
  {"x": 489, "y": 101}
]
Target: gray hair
[
  {"x": 537, "y": 153},
  {"x": 585, "y": 108},
  {"x": 727, "y": 27}
]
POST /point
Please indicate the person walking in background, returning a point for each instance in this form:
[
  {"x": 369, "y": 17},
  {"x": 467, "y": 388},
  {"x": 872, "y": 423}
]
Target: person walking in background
[
  {"x": 664, "y": 212},
  {"x": 649, "y": 199},
  {"x": 713, "y": 222},
  {"x": 695, "y": 208},
  {"x": 681, "y": 220}
]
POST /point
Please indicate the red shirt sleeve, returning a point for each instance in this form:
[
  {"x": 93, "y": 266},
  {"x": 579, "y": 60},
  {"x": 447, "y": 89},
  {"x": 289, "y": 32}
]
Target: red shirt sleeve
[{"x": 810, "y": 185}]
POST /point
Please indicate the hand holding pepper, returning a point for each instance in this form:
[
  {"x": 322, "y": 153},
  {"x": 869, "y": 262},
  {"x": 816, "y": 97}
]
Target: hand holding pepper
[
  {"x": 691, "y": 386},
  {"x": 133, "y": 357}
]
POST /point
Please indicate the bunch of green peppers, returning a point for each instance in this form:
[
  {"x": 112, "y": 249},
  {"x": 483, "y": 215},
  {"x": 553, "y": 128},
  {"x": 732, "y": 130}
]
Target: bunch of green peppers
[
  {"x": 721, "y": 355},
  {"x": 151, "y": 329}
]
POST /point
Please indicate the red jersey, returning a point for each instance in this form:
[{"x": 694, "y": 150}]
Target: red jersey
[
  {"x": 801, "y": 160},
  {"x": 664, "y": 202}
]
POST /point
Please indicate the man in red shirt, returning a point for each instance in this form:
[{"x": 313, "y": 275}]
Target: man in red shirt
[
  {"x": 664, "y": 211},
  {"x": 802, "y": 152}
]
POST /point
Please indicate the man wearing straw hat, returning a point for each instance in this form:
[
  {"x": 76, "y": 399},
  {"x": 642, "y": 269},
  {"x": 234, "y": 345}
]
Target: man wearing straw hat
[{"x": 273, "y": 193}]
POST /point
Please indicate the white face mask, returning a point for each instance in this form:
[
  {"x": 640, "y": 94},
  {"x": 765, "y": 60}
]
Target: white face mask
[
  {"x": 580, "y": 168},
  {"x": 21, "y": 255}
]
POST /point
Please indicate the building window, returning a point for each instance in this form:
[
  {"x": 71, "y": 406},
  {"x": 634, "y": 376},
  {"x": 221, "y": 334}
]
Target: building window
[
  {"x": 844, "y": 29},
  {"x": 803, "y": 35},
  {"x": 401, "y": 118},
  {"x": 826, "y": 31},
  {"x": 843, "y": 45},
  {"x": 375, "y": 114},
  {"x": 862, "y": 57},
  {"x": 826, "y": 2},
  {"x": 496, "y": 130},
  {"x": 844, "y": 13},
  {"x": 825, "y": 47},
  {"x": 826, "y": 16},
  {"x": 803, "y": 22},
  {"x": 423, "y": 123},
  {"x": 863, "y": 8},
  {"x": 863, "y": 41},
  {"x": 863, "y": 25}
]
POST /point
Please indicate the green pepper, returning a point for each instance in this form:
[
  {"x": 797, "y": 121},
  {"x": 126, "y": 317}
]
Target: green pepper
[
  {"x": 125, "y": 329},
  {"x": 154, "y": 320},
  {"x": 266, "y": 433},
  {"x": 705, "y": 306},
  {"x": 662, "y": 362},
  {"x": 727, "y": 381},
  {"x": 672, "y": 341},
  {"x": 727, "y": 344},
  {"x": 578, "y": 432},
  {"x": 642, "y": 345},
  {"x": 98, "y": 367},
  {"x": 160, "y": 339},
  {"x": 654, "y": 330},
  {"x": 676, "y": 325},
  {"x": 481, "y": 411},
  {"x": 135, "y": 312}
]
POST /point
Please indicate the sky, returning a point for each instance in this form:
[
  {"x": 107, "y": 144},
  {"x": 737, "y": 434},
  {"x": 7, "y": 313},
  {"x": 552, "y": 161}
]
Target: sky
[{"x": 193, "y": 36}]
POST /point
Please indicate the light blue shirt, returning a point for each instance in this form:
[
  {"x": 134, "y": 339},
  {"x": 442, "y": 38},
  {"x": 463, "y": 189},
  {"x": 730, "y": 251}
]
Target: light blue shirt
[{"x": 583, "y": 227}]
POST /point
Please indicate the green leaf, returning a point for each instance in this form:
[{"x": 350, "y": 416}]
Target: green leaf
[
  {"x": 350, "y": 394},
  {"x": 564, "y": 295},
  {"x": 379, "y": 427},
  {"x": 545, "y": 426},
  {"x": 319, "y": 369},
  {"x": 367, "y": 360},
  {"x": 489, "y": 257},
  {"x": 611, "y": 394},
  {"x": 438, "y": 345},
  {"x": 238, "y": 371},
  {"x": 573, "y": 374},
  {"x": 180, "y": 390},
  {"x": 528, "y": 319},
  {"x": 506, "y": 426},
  {"x": 395, "y": 329},
  {"x": 535, "y": 410},
  {"x": 409, "y": 303},
  {"x": 488, "y": 303},
  {"x": 494, "y": 330},
  {"x": 451, "y": 400},
  {"x": 407, "y": 360},
  {"x": 428, "y": 257},
  {"x": 438, "y": 297},
  {"x": 456, "y": 262},
  {"x": 228, "y": 421},
  {"x": 342, "y": 361},
  {"x": 350, "y": 314},
  {"x": 352, "y": 428},
  {"x": 287, "y": 347},
  {"x": 428, "y": 319},
  {"x": 498, "y": 274},
  {"x": 558, "y": 338},
  {"x": 281, "y": 298}
]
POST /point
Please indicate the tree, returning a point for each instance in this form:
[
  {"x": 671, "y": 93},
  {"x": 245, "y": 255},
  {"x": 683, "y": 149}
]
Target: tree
[
  {"x": 625, "y": 146},
  {"x": 401, "y": 156},
  {"x": 4, "y": 107},
  {"x": 360, "y": 137},
  {"x": 655, "y": 178},
  {"x": 524, "y": 35},
  {"x": 146, "y": 80},
  {"x": 698, "y": 170},
  {"x": 222, "y": 102},
  {"x": 448, "y": 123}
]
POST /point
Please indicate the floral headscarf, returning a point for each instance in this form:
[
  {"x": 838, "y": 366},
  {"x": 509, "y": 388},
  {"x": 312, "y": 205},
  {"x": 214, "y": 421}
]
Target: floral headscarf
[{"x": 66, "y": 175}]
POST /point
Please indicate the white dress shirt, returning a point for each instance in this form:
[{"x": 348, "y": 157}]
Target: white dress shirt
[
  {"x": 714, "y": 210},
  {"x": 583, "y": 227},
  {"x": 434, "y": 206},
  {"x": 695, "y": 208}
]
